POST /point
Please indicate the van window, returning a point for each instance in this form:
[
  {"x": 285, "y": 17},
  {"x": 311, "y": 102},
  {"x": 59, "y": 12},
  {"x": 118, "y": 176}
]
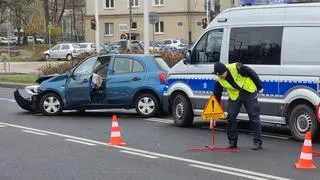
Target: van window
[
  {"x": 208, "y": 49},
  {"x": 256, "y": 45},
  {"x": 301, "y": 46}
]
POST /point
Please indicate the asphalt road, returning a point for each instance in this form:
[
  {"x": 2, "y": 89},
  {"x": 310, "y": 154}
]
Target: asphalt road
[{"x": 74, "y": 146}]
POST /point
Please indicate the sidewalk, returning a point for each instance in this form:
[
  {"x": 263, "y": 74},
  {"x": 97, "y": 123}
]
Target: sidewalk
[{"x": 24, "y": 67}]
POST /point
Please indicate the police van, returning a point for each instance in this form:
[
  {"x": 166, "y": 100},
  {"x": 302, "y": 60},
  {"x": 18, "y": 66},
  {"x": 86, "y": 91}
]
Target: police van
[{"x": 280, "y": 42}]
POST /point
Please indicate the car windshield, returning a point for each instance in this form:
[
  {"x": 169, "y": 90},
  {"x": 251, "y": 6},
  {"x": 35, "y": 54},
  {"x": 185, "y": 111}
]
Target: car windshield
[
  {"x": 162, "y": 65},
  {"x": 86, "y": 67}
]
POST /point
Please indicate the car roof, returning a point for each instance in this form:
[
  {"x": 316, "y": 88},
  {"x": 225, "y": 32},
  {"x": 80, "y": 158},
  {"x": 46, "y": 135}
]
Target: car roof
[{"x": 129, "y": 55}]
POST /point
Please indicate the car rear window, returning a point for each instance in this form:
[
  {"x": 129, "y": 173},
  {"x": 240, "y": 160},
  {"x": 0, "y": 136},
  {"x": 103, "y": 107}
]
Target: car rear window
[{"x": 162, "y": 65}]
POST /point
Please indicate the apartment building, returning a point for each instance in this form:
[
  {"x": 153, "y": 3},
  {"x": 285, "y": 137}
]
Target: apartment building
[{"x": 177, "y": 18}]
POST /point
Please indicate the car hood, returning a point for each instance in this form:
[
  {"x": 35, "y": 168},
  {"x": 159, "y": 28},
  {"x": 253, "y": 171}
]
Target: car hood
[{"x": 43, "y": 78}]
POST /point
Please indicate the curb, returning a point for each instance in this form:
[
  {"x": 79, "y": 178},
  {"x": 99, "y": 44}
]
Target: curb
[{"x": 14, "y": 85}]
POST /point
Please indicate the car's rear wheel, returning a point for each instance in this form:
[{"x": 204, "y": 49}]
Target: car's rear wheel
[
  {"x": 146, "y": 104},
  {"x": 51, "y": 104},
  {"x": 303, "y": 119},
  {"x": 182, "y": 111}
]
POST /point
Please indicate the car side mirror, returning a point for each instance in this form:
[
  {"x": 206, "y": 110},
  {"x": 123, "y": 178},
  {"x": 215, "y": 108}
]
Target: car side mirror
[{"x": 187, "y": 57}]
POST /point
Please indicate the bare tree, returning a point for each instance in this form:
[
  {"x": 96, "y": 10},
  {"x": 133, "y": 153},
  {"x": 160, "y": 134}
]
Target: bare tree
[
  {"x": 53, "y": 12},
  {"x": 21, "y": 11},
  {"x": 4, "y": 6}
]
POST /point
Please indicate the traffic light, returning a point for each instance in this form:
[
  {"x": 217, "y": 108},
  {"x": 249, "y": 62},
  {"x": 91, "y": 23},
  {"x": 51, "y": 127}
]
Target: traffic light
[
  {"x": 204, "y": 23},
  {"x": 93, "y": 24}
]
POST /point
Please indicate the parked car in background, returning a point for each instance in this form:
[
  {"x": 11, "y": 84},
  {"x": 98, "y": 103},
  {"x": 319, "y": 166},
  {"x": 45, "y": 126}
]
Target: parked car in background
[
  {"x": 114, "y": 49},
  {"x": 90, "y": 48},
  {"x": 175, "y": 43},
  {"x": 30, "y": 40},
  {"x": 63, "y": 51},
  {"x": 100, "y": 82},
  {"x": 157, "y": 46},
  {"x": 5, "y": 41}
]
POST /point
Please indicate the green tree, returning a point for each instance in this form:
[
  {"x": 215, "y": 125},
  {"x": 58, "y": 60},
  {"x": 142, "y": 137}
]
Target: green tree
[{"x": 55, "y": 32}]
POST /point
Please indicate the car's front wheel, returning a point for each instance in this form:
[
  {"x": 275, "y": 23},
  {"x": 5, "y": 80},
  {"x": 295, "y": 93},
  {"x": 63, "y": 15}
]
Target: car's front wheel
[
  {"x": 51, "y": 104},
  {"x": 47, "y": 56},
  {"x": 146, "y": 105}
]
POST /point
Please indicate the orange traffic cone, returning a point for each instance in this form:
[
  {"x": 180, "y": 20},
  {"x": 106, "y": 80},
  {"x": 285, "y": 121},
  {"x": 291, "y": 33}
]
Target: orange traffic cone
[
  {"x": 305, "y": 160},
  {"x": 115, "y": 138}
]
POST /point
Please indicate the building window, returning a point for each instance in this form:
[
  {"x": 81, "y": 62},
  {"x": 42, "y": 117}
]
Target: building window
[
  {"x": 109, "y": 4},
  {"x": 159, "y": 27},
  {"x": 158, "y": 2},
  {"x": 256, "y": 45},
  {"x": 134, "y": 26},
  {"x": 108, "y": 29},
  {"x": 135, "y": 3}
]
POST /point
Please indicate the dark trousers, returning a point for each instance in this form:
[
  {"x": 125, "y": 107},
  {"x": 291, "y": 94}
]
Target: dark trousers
[{"x": 250, "y": 102}]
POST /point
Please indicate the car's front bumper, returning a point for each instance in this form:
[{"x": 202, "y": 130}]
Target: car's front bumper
[{"x": 29, "y": 104}]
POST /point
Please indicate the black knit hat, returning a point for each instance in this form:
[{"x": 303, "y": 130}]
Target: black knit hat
[{"x": 219, "y": 68}]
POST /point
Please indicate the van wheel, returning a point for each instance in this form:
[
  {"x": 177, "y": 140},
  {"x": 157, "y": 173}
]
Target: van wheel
[
  {"x": 146, "y": 105},
  {"x": 69, "y": 57},
  {"x": 51, "y": 104},
  {"x": 182, "y": 111},
  {"x": 302, "y": 119}
]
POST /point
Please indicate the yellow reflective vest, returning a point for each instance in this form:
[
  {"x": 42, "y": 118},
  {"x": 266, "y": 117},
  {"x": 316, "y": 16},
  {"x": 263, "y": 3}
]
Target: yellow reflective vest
[{"x": 245, "y": 83}]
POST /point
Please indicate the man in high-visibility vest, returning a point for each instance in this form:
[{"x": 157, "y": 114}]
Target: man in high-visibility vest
[{"x": 243, "y": 87}]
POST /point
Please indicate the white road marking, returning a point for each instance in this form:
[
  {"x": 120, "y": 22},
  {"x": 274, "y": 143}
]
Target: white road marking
[
  {"x": 1, "y": 126},
  {"x": 159, "y": 120},
  {"x": 80, "y": 142},
  {"x": 139, "y": 154},
  {"x": 227, "y": 168},
  {"x": 227, "y": 172},
  {"x": 10, "y": 100},
  {"x": 33, "y": 132}
]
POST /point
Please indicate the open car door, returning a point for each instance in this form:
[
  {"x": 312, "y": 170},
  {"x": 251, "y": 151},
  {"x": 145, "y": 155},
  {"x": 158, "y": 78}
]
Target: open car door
[{"x": 78, "y": 86}]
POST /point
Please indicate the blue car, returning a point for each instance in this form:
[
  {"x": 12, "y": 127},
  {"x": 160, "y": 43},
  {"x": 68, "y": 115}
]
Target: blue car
[{"x": 101, "y": 82}]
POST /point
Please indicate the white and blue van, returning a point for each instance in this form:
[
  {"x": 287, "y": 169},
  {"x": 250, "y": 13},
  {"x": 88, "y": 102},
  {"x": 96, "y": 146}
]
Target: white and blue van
[{"x": 280, "y": 42}]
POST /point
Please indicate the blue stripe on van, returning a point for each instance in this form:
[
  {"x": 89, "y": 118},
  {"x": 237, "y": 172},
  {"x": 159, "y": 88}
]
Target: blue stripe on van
[
  {"x": 271, "y": 88},
  {"x": 286, "y": 86}
]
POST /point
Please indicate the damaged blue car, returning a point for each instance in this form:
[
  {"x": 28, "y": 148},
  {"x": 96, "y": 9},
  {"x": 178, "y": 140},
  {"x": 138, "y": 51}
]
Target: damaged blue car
[{"x": 101, "y": 82}]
